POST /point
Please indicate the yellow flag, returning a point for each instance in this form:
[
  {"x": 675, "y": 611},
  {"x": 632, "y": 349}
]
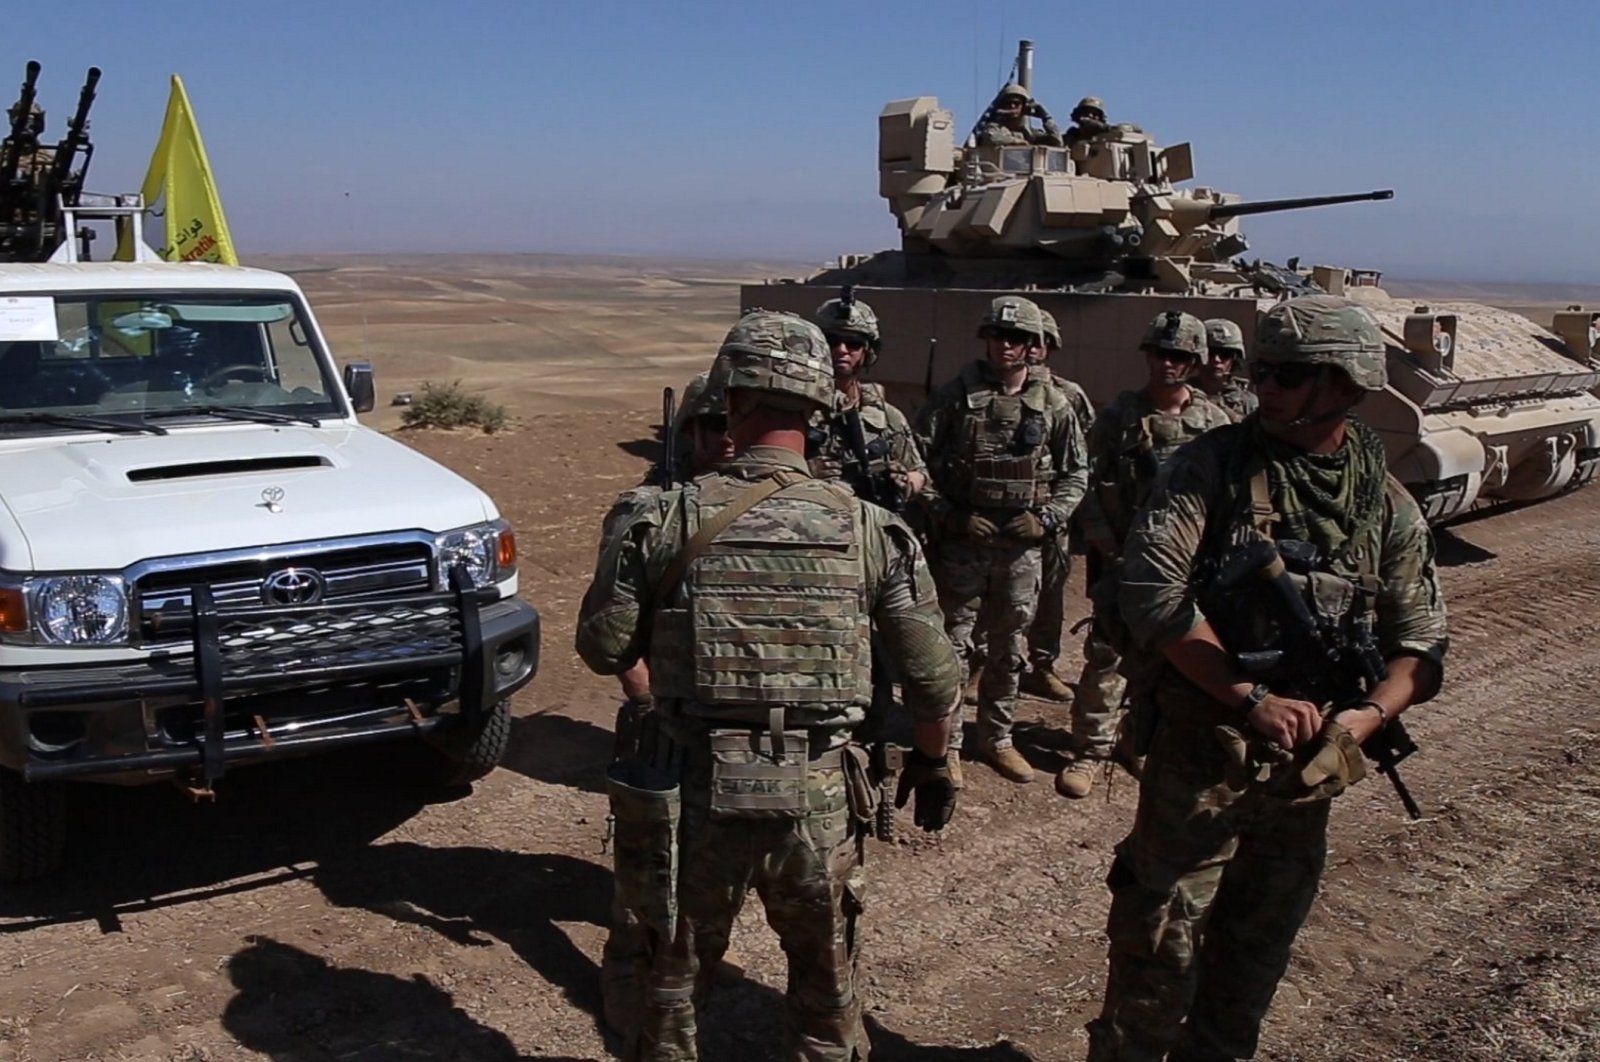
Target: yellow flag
[{"x": 196, "y": 228}]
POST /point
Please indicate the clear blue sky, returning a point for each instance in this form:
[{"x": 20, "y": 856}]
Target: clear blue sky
[{"x": 749, "y": 129}]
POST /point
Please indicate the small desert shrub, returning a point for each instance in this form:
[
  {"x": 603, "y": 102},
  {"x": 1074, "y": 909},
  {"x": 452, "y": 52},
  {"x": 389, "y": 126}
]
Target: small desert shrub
[{"x": 448, "y": 406}]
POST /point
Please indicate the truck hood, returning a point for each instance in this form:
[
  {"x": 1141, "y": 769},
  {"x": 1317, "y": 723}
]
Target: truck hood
[{"x": 92, "y": 503}]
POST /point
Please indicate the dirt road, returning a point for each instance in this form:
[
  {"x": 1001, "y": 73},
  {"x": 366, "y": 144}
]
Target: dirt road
[{"x": 332, "y": 910}]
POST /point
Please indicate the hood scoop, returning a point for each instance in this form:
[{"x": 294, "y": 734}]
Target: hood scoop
[{"x": 196, "y": 469}]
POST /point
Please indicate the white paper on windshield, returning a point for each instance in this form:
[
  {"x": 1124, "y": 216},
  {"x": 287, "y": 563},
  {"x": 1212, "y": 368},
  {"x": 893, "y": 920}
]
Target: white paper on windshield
[{"x": 28, "y": 317}]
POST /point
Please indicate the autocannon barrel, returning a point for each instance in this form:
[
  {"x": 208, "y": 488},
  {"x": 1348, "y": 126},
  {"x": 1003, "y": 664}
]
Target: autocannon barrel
[{"x": 1272, "y": 206}]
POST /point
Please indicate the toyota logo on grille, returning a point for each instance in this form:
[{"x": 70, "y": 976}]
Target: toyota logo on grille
[{"x": 293, "y": 586}]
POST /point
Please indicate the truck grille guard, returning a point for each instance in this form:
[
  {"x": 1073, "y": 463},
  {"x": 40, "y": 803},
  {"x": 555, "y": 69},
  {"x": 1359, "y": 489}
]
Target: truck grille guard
[{"x": 250, "y": 650}]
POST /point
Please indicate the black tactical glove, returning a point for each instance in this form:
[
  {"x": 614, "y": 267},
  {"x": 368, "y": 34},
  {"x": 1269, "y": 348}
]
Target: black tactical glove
[
  {"x": 1038, "y": 111},
  {"x": 929, "y": 778}
]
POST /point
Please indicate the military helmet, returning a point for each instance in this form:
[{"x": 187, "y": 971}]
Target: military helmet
[
  {"x": 1052, "y": 333},
  {"x": 1090, "y": 106},
  {"x": 782, "y": 355},
  {"x": 703, "y": 396},
  {"x": 1013, "y": 89},
  {"x": 1176, "y": 331},
  {"x": 1225, "y": 336},
  {"x": 1014, "y": 313},
  {"x": 1325, "y": 330},
  {"x": 840, "y": 315}
]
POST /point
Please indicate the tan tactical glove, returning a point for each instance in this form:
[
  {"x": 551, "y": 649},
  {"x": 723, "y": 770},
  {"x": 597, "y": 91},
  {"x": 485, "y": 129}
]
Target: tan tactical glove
[
  {"x": 968, "y": 524},
  {"x": 1024, "y": 527},
  {"x": 1336, "y": 765}
]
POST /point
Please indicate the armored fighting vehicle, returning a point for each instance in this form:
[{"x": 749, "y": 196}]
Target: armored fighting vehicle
[{"x": 1482, "y": 403}]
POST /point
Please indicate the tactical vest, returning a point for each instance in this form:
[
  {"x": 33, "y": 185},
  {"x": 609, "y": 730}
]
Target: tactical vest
[
  {"x": 1147, "y": 439},
  {"x": 1004, "y": 445},
  {"x": 772, "y": 612},
  {"x": 827, "y": 450}
]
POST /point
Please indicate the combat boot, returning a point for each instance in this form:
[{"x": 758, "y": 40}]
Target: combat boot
[
  {"x": 1076, "y": 779},
  {"x": 1042, "y": 681},
  {"x": 1007, "y": 762}
]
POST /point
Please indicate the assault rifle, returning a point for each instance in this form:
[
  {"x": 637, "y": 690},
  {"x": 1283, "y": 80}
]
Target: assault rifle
[
  {"x": 667, "y": 473},
  {"x": 875, "y": 485},
  {"x": 1323, "y": 666}
]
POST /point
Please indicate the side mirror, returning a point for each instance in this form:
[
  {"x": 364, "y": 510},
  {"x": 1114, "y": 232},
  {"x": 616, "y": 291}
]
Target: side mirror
[{"x": 359, "y": 385}]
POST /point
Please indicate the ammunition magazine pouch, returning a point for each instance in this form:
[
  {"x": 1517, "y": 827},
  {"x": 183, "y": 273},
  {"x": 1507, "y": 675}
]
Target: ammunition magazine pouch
[
  {"x": 1009, "y": 482},
  {"x": 646, "y": 808},
  {"x": 759, "y": 774},
  {"x": 863, "y": 783}
]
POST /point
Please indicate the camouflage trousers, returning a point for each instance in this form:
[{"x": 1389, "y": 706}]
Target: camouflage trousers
[
  {"x": 808, "y": 874},
  {"x": 1207, "y": 894},
  {"x": 1097, "y": 705},
  {"x": 994, "y": 589},
  {"x": 1050, "y": 614},
  {"x": 624, "y": 967}
]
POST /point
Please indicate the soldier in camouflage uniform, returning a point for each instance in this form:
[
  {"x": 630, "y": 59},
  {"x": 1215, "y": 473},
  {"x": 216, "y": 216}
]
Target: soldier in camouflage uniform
[
  {"x": 1049, "y": 617},
  {"x": 1006, "y": 123},
  {"x": 702, "y": 444},
  {"x": 1225, "y": 342},
  {"x": 1219, "y": 872},
  {"x": 1007, "y": 458},
  {"x": 755, "y": 593},
  {"x": 894, "y": 472},
  {"x": 1088, "y": 120},
  {"x": 33, "y": 158},
  {"x": 1133, "y": 435}
]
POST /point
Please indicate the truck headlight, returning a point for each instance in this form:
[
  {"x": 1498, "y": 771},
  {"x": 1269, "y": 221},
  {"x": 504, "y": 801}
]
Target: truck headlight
[
  {"x": 80, "y": 609},
  {"x": 480, "y": 550}
]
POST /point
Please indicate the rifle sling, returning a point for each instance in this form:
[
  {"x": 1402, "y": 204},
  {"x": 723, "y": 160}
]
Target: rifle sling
[{"x": 757, "y": 493}]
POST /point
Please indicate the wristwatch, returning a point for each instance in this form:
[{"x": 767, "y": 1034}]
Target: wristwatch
[{"x": 1257, "y": 694}]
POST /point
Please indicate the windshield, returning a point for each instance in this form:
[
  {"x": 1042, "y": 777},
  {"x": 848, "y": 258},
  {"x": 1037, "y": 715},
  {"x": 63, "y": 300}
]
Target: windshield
[{"x": 124, "y": 357}]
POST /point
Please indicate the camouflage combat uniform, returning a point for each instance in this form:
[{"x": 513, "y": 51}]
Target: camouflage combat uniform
[
  {"x": 998, "y": 134},
  {"x": 774, "y": 613},
  {"x": 1221, "y": 867},
  {"x": 891, "y": 445},
  {"x": 625, "y": 956},
  {"x": 1050, "y": 616},
  {"x": 997, "y": 454},
  {"x": 1129, "y": 443},
  {"x": 1224, "y": 337}
]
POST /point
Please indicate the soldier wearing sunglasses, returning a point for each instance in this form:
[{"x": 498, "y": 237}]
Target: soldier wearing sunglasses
[
  {"x": 1007, "y": 459},
  {"x": 1220, "y": 870},
  {"x": 1219, "y": 379},
  {"x": 1131, "y": 438},
  {"x": 893, "y": 471}
]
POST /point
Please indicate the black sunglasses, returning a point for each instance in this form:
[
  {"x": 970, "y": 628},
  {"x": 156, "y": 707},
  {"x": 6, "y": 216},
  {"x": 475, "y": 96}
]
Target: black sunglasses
[
  {"x": 1013, "y": 336},
  {"x": 1288, "y": 374},
  {"x": 848, "y": 342},
  {"x": 1179, "y": 356}
]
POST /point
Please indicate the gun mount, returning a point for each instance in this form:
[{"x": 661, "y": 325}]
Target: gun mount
[{"x": 39, "y": 185}]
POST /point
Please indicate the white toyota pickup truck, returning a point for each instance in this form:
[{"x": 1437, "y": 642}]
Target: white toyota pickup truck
[{"x": 206, "y": 560}]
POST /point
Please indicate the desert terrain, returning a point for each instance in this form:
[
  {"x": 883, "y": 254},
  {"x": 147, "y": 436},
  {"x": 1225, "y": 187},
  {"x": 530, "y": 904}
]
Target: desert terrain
[{"x": 332, "y": 909}]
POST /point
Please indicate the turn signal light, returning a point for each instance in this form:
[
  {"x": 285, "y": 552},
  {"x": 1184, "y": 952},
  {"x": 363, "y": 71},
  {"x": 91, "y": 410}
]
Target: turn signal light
[
  {"x": 13, "y": 610},
  {"x": 506, "y": 559}
]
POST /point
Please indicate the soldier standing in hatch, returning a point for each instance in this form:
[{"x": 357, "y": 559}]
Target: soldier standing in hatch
[
  {"x": 1225, "y": 344},
  {"x": 756, "y": 591},
  {"x": 33, "y": 158},
  {"x": 1006, "y": 122},
  {"x": 1132, "y": 437},
  {"x": 1214, "y": 843},
  {"x": 1007, "y": 459},
  {"x": 895, "y": 472},
  {"x": 1088, "y": 120},
  {"x": 702, "y": 444}
]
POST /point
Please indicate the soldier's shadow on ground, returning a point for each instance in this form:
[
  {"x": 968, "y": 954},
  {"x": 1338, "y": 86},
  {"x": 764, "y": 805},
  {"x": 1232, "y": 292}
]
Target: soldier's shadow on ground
[
  {"x": 1046, "y": 748},
  {"x": 472, "y": 896},
  {"x": 291, "y": 1004},
  {"x": 1452, "y": 550},
  {"x": 146, "y": 848},
  {"x": 559, "y": 750},
  {"x": 647, "y": 448}
]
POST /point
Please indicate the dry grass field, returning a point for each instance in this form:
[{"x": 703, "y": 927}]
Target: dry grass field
[{"x": 328, "y": 910}]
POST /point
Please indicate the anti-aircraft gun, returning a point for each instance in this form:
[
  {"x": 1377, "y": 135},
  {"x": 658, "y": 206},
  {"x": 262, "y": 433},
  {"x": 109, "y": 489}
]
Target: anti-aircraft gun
[
  {"x": 1109, "y": 229},
  {"x": 39, "y": 184}
]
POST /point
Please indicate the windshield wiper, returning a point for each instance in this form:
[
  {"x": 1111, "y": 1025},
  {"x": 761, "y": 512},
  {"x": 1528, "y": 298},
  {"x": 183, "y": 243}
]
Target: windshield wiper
[
  {"x": 75, "y": 420},
  {"x": 251, "y": 413}
]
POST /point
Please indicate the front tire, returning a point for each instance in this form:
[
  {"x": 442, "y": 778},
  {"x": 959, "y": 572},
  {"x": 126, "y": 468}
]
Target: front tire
[
  {"x": 33, "y": 827},
  {"x": 468, "y": 758}
]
